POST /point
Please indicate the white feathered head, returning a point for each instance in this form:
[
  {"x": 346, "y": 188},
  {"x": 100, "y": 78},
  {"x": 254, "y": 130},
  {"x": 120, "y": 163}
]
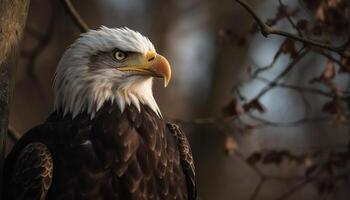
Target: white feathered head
[{"x": 115, "y": 65}]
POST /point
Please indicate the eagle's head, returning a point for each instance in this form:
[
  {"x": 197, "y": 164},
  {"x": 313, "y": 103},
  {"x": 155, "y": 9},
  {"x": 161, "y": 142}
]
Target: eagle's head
[{"x": 115, "y": 65}]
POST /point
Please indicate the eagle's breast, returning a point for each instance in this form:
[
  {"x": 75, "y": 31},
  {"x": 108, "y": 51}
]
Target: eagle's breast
[{"x": 116, "y": 155}]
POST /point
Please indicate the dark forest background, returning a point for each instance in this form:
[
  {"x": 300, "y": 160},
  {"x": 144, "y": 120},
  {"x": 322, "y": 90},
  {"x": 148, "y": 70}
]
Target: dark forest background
[{"x": 267, "y": 117}]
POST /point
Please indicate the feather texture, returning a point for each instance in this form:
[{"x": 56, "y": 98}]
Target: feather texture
[
  {"x": 116, "y": 155},
  {"x": 32, "y": 173}
]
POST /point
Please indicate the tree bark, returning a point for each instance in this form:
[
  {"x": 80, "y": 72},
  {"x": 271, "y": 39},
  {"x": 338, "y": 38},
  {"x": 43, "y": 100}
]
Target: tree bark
[{"x": 13, "y": 14}]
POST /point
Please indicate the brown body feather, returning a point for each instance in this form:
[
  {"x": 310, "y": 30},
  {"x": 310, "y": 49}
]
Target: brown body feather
[{"x": 129, "y": 155}]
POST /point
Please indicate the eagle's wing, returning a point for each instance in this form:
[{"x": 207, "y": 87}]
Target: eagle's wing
[
  {"x": 32, "y": 173},
  {"x": 186, "y": 159}
]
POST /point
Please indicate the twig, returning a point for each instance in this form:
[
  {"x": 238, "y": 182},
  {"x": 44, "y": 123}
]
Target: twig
[
  {"x": 13, "y": 133},
  {"x": 268, "y": 30},
  {"x": 200, "y": 121},
  {"x": 83, "y": 27},
  {"x": 300, "y": 185},
  {"x": 269, "y": 66},
  {"x": 300, "y": 88},
  {"x": 329, "y": 56},
  {"x": 304, "y": 120},
  {"x": 244, "y": 159},
  {"x": 306, "y": 102},
  {"x": 257, "y": 188},
  {"x": 290, "y": 66},
  {"x": 289, "y": 18}
]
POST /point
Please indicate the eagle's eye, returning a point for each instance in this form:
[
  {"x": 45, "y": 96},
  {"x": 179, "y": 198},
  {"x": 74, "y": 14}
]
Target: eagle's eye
[{"x": 119, "y": 55}]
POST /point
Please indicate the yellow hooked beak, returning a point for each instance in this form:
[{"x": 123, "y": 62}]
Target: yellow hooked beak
[{"x": 151, "y": 64}]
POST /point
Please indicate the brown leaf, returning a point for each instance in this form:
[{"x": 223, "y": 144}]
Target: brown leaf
[
  {"x": 308, "y": 162},
  {"x": 333, "y": 3},
  {"x": 325, "y": 187},
  {"x": 288, "y": 47},
  {"x": 230, "y": 145},
  {"x": 224, "y": 35},
  {"x": 282, "y": 12},
  {"x": 254, "y": 158},
  {"x": 254, "y": 105},
  {"x": 299, "y": 159},
  {"x": 329, "y": 73},
  {"x": 275, "y": 157},
  {"x": 242, "y": 41},
  {"x": 320, "y": 15},
  {"x": 345, "y": 67},
  {"x": 331, "y": 169},
  {"x": 332, "y": 107},
  {"x": 303, "y": 24},
  {"x": 232, "y": 109},
  {"x": 340, "y": 119},
  {"x": 348, "y": 103},
  {"x": 310, "y": 170}
]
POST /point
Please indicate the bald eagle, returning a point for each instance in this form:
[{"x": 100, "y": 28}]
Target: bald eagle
[{"x": 106, "y": 138}]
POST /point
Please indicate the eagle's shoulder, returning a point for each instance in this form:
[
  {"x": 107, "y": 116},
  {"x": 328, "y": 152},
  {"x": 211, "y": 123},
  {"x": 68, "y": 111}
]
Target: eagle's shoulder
[
  {"x": 186, "y": 158},
  {"x": 31, "y": 173},
  {"x": 28, "y": 168}
]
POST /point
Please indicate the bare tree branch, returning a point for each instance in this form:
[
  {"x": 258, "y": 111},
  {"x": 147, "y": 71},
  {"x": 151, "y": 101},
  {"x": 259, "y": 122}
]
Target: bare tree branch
[
  {"x": 269, "y": 66},
  {"x": 304, "y": 120},
  {"x": 257, "y": 188},
  {"x": 13, "y": 133},
  {"x": 289, "y": 18},
  {"x": 300, "y": 185},
  {"x": 81, "y": 24},
  {"x": 300, "y": 88},
  {"x": 268, "y": 30},
  {"x": 301, "y": 54}
]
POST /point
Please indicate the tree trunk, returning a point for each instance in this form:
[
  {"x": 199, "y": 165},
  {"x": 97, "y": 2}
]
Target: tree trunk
[{"x": 13, "y": 15}]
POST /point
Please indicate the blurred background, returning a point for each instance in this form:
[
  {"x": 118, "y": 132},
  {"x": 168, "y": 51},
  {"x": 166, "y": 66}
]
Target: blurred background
[{"x": 254, "y": 134}]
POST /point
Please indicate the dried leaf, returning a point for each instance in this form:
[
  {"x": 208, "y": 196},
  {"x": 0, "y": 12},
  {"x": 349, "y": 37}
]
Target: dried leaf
[
  {"x": 329, "y": 73},
  {"x": 320, "y": 15},
  {"x": 254, "y": 158},
  {"x": 332, "y": 107},
  {"x": 232, "y": 109},
  {"x": 332, "y": 17},
  {"x": 230, "y": 145},
  {"x": 308, "y": 162},
  {"x": 254, "y": 105},
  {"x": 303, "y": 25},
  {"x": 224, "y": 35},
  {"x": 242, "y": 41},
  {"x": 331, "y": 169},
  {"x": 282, "y": 12},
  {"x": 325, "y": 187},
  {"x": 340, "y": 119},
  {"x": 345, "y": 67},
  {"x": 300, "y": 159},
  {"x": 333, "y": 3},
  {"x": 310, "y": 170},
  {"x": 273, "y": 157},
  {"x": 288, "y": 47}
]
